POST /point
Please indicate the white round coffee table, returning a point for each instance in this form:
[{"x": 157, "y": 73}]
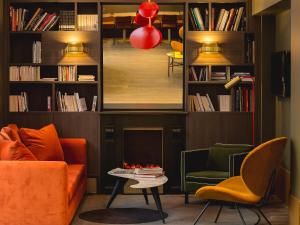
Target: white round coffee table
[{"x": 143, "y": 183}]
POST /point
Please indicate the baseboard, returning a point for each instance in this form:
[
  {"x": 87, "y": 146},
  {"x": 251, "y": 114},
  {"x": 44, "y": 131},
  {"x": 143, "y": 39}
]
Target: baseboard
[
  {"x": 283, "y": 184},
  {"x": 294, "y": 210}
]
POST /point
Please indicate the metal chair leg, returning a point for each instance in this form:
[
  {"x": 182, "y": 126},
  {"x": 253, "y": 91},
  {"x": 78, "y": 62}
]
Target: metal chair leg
[
  {"x": 202, "y": 212},
  {"x": 186, "y": 198},
  {"x": 241, "y": 215},
  {"x": 219, "y": 212},
  {"x": 259, "y": 210}
]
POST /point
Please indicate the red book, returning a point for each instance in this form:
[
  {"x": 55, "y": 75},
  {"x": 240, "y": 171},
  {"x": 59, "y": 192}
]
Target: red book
[
  {"x": 47, "y": 20},
  {"x": 230, "y": 20},
  {"x": 246, "y": 100}
]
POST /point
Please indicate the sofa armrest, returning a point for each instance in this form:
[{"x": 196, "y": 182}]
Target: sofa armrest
[
  {"x": 235, "y": 162},
  {"x": 74, "y": 150},
  {"x": 33, "y": 192},
  {"x": 193, "y": 160}
]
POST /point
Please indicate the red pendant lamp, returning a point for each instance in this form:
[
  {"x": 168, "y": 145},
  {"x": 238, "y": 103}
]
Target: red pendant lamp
[{"x": 147, "y": 36}]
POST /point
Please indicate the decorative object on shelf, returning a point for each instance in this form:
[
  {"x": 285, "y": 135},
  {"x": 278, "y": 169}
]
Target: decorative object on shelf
[
  {"x": 212, "y": 47},
  {"x": 75, "y": 48},
  {"x": 147, "y": 36}
]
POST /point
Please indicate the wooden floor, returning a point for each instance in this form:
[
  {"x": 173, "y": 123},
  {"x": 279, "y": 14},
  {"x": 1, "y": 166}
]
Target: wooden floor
[
  {"x": 180, "y": 214},
  {"x": 135, "y": 76}
]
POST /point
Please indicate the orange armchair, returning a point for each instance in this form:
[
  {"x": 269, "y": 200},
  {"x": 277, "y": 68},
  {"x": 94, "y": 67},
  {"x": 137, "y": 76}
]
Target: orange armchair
[
  {"x": 43, "y": 192},
  {"x": 250, "y": 188}
]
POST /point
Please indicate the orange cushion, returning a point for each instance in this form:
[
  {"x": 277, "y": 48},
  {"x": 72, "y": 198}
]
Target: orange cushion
[
  {"x": 75, "y": 177},
  {"x": 12, "y": 133},
  {"x": 43, "y": 143},
  {"x": 4, "y": 135},
  {"x": 15, "y": 150}
]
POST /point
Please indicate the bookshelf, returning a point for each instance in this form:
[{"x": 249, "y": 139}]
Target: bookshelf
[
  {"x": 197, "y": 129},
  {"x": 207, "y": 73}
]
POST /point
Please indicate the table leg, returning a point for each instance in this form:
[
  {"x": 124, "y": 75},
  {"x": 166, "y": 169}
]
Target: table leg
[
  {"x": 156, "y": 197},
  {"x": 145, "y": 195},
  {"x": 117, "y": 190},
  {"x": 169, "y": 66},
  {"x": 124, "y": 34},
  {"x": 172, "y": 65},
  {"x": 169, "y": 35}
]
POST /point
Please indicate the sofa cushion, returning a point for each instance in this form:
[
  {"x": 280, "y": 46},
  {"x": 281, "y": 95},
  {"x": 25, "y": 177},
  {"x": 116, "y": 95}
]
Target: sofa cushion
[
  {"x": 15, "y": 150},
  {"x": 76, "y": 173},
  {"x": 209, "y": 177},
  {"x": 4, "y": 135},
  {"x": 219, "y": 155},
  {"x": 43, "y": 143},
  {"x": 12, "y": 131}
]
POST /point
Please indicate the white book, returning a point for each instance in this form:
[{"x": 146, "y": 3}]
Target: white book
[
  {"x": 94, "y": 105},
  {"x": 205, "y": 104},
  {"x": 83, "y": 104},
  {"x": 194, "y": 73},
  {"x": 221, "y": 14},
  {"x": 200, "y": 102},
  {"x": 76, "y": 95},
  {"x": 210, "y": 103},
  {"x": 224, "y": 20}
]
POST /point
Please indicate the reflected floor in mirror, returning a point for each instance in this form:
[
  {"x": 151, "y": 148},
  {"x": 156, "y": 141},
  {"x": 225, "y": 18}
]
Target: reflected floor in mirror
[
  {"x": 140, "y": 77},
  {"x": 173, "y": 206}
]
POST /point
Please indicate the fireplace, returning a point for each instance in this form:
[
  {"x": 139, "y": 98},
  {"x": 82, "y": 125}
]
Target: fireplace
[{"x": 142, "y": 146}]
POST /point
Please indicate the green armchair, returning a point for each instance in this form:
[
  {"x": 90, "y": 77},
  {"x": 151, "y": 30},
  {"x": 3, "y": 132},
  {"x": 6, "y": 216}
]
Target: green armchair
[{"x": 202, "y": 167}]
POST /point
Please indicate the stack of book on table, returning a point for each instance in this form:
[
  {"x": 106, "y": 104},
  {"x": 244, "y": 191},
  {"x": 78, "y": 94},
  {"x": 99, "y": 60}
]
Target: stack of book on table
[{"x": 148, "y": 172}]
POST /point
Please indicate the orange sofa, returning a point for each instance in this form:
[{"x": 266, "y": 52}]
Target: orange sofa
[{"x": 43, "y": 192}]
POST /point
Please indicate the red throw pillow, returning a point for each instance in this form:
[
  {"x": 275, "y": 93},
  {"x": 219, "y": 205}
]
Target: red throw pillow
[
  {"x": 15, "y": 150},
  {"x": 43, "y": 143}
]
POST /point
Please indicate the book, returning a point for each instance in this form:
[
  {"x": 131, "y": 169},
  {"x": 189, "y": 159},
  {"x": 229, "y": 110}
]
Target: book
[
  {"x": 211, "y": 106},
  {"x": 94, "y": 104},
  {"x": 67, "y": 73},
  {"x": 224, "y": 20},
  {"x": 67, "y": 20},
  {"x": 37, "y": 52},
  {"x": 87, "y": 22},
  {"x": 230, "y": 19},
  {"x": 200, "y": 102},
  {"x": 191, "y": 17},
  {"x": 24, "y": 73},
  {"x": 33, "y": 18},
  {"x": 224, "y": 103},
  {"x": 199, "y": 19},
  {"x": 213, "y": 19},
  {"x": 238, "y": 19},
  {"x": 220, "y": 18},
  {"x": 49, "y": 104},
  {"x": 18, "y": 103}
]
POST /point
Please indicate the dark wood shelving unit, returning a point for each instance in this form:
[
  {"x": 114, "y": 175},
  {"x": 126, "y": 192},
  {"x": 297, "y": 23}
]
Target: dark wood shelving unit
[{"x": 182, "y": 129}]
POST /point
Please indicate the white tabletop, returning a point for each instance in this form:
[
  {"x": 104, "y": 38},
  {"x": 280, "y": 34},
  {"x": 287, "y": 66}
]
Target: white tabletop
[{"x": 142, "y": 182}]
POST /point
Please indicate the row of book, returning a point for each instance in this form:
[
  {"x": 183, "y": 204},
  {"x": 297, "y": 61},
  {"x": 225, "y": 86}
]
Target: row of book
[
  {"x": 199, "y": 20},
  {"x": 73, "y": 103},
  {"x": 229, "y": 20},
  {"x": 202, "y": 75},
  {"x": 67, "y": 20},
  {"x": 37, "y": 52},
  {"x": 198, "y": 103},
  {"x": 67, "y": 73},
  {"x": 218, "y": 76},
  {"x": 87, "y": 22},
  {"x": 18, "y": 103},
  {"x": 20, "y": 20},
  {"x": 243, "y": 99},
  {"x": 24, "y": 73}
]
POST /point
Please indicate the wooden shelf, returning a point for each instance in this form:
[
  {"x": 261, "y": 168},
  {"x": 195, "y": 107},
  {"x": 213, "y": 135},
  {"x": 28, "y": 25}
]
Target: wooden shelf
[
  {"x": 55, "y": 82},
  {"x": 206, "y": 82}
]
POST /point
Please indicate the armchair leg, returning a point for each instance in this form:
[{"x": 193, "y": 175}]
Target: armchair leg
[
  {"x": 240, "y": 213},
  {"x": 202, "y": 212},
  {"x": 186, "y": 198},
  {"x": 259, "y": 210},
  {"x": 219, "y": 212}
]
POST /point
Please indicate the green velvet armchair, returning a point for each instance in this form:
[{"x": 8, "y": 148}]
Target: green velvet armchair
[{"x": 202, "y": 167}]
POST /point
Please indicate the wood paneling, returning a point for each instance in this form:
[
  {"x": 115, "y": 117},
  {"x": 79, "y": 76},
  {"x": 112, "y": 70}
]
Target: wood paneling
[
  {"x": 81, "y": 125},
  {"x": 205, "y": 129},
  {"x": 34, "y": 120}
]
